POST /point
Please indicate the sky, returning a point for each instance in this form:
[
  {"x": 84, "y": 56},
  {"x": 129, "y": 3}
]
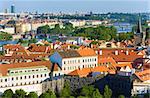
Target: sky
[{"x": 82, "y": 6}]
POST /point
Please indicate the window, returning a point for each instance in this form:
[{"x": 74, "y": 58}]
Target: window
[
  {"x": 45, "y": 75},
  {"x": 16, "y": 78},
  {"x": 1, "y": 80},
  {"x": 25, "y": 77},
  {"x": 12, "y": 78},
  {"x": 64, "y": 62},
  {"x": 5, "y": 80},
  {"x": 20, "y": 77},
  {"x": 33, "y": 76},
  {"x": 41, "y": 75},
  {"x": 37, "y": 76}
]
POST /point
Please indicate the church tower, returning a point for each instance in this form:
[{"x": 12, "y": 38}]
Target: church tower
[{"x": 139, "y": 35}]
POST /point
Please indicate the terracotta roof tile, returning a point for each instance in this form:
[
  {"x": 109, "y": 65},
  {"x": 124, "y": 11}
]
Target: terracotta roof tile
[
  {"x": 143, "y": 75},
  {"x": 86, "y": 52}
]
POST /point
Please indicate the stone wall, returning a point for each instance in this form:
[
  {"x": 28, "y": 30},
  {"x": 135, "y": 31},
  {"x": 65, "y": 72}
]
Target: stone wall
[{"x": 55, "y": 85}]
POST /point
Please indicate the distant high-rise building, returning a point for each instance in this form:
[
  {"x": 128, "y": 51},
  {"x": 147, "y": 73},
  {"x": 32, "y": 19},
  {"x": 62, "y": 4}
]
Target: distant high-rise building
[
  {"x": 6, "y": 11},
  {"x": 13, "y": 8}
]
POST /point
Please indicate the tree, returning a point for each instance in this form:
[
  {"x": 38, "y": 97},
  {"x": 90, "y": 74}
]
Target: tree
[
  {"x": 7, "y": 94},
  {"x": 5, "y": 36},
  {"x": 43, "y": 29},
  {"x": 20, "y": 93},
  {"x": 32, "y": 95},
  {"x": 51, "y": 93},
  {"x": 66, "y": 91},
  {"x": 121, "y": 96},
  {"x": 147, "y": 95},
  {"x": 82, "y": 97},
  {"x": 107, "y": 92},
  {"x": 33, "y": 40},
  {"x": 96, "y": 94},
  {"x": 87, "y": 91},
  {"x": 45, "y": 95}
]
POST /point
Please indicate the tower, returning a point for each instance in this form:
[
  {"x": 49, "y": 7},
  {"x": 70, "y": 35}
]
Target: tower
[
  {"x": 12, "y": 8},
  {"x": 138, "y": 35}
]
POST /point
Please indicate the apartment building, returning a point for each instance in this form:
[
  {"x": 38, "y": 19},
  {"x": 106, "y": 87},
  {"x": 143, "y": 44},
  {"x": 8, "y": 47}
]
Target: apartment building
[
  {"x": 26, "y": 76},
  {"x": 71, "y": 60}
]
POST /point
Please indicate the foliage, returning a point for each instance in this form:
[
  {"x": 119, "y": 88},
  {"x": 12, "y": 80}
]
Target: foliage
[
  {"x": 1, "y": 53},
  {"x": 74, "y": 47},
  {"x": 5, "y": 36},
  {"x": 100, "y": 33},
  {"x": 125, "y": 36},
  {"x": 82, "y": 97},
  {"x": 51, "y": 93},
  {"x": 107, "y": 92},
  {"x": 7, "y": 94},
  {"x": 121, "y": 96},
  {"x": 45, "y": 95},
  {"x": 67, "y": 29},
  {"x": 33, "y": 40},
  {"x": 147, "y": 95},
  {"x": 22, "y": 41},
  {"x": 20, "y": 93},
  {"x": 66, "y": 91},
  {"x": 43, "y": 29},
  {"x": 87, "y": 91},
  {"x": 32, "y": 95},
  {"x": 96, "y": 94},
  {"x": 90, "y": 92}
]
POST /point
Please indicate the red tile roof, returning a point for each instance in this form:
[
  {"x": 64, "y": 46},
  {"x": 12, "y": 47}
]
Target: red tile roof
[
  {"x": 86, "y": 52},
  {"x": 143, "y": 75},
  {"x": 122, "y": 56},
  {"x": 86, "y": 71}
]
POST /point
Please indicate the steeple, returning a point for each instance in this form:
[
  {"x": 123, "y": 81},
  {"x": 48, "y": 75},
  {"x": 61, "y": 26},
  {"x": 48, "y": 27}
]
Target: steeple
[{"x": 139, "y": 27}]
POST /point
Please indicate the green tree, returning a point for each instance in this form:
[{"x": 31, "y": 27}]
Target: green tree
[
  {"x": 121, "y": 96},
  {"x": 33, "y": 40},
  {"x": 43, "y": 29},
  {"x": 66, "y": 91},
  {"x": 45, "y": 95},
  {"x": 96, "y": 94},
  {"x": 87, "y": 91},
  {"x": 21, "y": 41},
  {"x": 5, "y": 36},
  {"x": 32, "y": 95},
  {"x": 51, "y": 93},
  {"x": 107, "y": 92},
  {"x": 82, "y": 97},
  {"x": 20, "y": 93},
  {"x": 147, "y": 95},
  {"x": 7, "y": 94}
]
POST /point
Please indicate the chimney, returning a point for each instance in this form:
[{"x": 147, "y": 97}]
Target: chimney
[
  {"x": 116, "y": 52},
  {"x": 100, "y": 52},
  {"x": 127, "y": 52},
  {"x": 96, "y": 52}
]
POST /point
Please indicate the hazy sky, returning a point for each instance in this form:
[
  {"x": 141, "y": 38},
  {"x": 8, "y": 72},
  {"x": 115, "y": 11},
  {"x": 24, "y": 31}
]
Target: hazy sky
[{"x": 98, "y": 6}]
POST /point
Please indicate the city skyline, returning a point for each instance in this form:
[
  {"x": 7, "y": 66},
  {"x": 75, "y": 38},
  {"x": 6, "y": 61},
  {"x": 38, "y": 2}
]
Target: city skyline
[{"x": 81, "y": 6}]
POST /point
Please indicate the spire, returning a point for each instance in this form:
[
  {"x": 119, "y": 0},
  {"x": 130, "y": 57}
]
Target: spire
[{"x": 139, "y": 27}]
